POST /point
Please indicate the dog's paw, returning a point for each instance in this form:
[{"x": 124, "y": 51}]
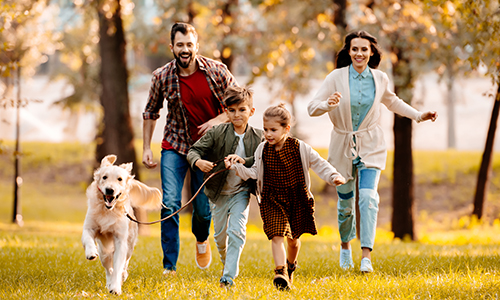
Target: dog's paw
[
  {"x": 116, "y": 290},
  {"x": 92, "y": 256}
]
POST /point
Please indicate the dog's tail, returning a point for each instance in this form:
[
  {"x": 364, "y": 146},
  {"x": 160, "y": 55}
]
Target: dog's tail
[{"x": 143, "y": 196}]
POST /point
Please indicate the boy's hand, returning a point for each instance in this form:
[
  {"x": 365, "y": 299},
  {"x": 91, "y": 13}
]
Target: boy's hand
[
  {"x": 204, "y": 165},
  {"x": 339, "y": 180},
  {"x": 232, "y": 159}
]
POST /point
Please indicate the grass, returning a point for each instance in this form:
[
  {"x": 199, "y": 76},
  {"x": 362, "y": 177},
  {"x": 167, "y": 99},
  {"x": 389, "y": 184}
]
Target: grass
[{"x": 45, "y": 259}]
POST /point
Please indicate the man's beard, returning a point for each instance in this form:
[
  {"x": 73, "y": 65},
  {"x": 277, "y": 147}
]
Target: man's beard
[{"x": 182, "y": 64}]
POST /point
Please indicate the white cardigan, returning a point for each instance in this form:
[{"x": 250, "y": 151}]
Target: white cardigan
[
  {"x": 370, "y": 144},
  {"x": 310, "y": 159}
]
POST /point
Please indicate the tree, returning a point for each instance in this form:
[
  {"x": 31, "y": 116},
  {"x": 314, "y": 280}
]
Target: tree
[
  {"x": 483, "y": 23},
  {"x": 25, "y": 40},
  {"x": 116, "y": 134}
]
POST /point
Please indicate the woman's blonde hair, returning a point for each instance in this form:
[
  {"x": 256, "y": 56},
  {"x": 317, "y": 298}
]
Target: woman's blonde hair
[{"x": 279, "y": 112}]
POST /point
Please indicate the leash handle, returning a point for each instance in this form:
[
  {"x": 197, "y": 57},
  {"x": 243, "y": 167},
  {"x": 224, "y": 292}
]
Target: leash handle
[{"x": 182, "y": 207}]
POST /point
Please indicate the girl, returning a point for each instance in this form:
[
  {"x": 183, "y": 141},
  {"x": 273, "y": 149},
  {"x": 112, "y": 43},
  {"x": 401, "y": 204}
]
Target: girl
[
  {"x": 352, "y": 95},
  {"x": 287, "y": 207}
]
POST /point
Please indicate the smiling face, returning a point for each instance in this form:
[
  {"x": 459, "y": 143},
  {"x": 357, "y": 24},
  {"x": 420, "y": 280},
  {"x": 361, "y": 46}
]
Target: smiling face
[
  {"x": 185, "y": 48},
  {"x": 275, "y": 133},
  {"x": 360, "y": 52}
]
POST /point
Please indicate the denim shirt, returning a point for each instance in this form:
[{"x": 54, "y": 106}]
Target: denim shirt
[{"x": 362, "y": 94}]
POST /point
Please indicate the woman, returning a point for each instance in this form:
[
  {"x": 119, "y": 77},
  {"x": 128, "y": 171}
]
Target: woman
[{"x": 351, "y": 95}]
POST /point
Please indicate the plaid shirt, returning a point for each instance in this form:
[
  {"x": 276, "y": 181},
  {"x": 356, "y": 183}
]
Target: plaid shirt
[{"x": 165, "y": 85}]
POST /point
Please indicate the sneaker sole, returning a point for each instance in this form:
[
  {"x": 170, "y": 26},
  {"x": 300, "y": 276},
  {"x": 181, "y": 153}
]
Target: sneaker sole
[
  {"x": 206, "y": 267},
  {"x": 281, "y": 284}
]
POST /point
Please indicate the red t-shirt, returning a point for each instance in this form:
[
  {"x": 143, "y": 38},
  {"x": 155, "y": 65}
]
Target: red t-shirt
[{"x": 199, "y": 101}]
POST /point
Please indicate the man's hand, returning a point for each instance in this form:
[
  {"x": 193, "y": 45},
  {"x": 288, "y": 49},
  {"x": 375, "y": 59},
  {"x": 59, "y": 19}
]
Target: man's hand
[
  {"x": 147, "y": 159},
  {"x": 204, "y": 165},
  {"x": 203, "y": 128}
]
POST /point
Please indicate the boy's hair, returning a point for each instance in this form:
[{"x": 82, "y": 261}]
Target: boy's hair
[
  {"x": 237, "y": 95},
  {"x": 280, "y": 112},
  {"x": 183, "y": 28}
]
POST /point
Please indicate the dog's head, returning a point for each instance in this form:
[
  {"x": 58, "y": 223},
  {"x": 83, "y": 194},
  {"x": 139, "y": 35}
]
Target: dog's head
[{"x": 112, "y": 181}]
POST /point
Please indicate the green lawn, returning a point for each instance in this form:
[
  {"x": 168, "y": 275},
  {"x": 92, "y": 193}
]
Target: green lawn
[
  {"x": 46, "y": 261},
  {"x": 456, "y": 257}
]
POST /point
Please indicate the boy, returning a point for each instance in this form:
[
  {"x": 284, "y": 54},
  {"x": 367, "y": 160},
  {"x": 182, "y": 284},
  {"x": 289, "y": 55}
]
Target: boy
[{"x": 229, "y": 194}]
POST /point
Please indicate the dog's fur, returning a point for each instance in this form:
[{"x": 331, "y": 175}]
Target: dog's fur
[{"x": 113, "y": 193}]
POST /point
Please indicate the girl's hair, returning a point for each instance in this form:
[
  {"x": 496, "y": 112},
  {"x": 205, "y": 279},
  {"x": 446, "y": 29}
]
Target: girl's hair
[
  {"x": 343, "y": 57},
  {"x": 237, "y": 95},
  {"x": 280, "y": 112}
]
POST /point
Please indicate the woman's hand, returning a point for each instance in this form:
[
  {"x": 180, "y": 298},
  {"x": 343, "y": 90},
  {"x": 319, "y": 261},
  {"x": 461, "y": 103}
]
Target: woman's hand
[
  {"x": 334, "y": 98},
  {"x": 429, "y": 115}
]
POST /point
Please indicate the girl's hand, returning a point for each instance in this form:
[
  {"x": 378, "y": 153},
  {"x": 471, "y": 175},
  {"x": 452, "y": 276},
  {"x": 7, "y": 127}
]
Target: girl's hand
[
  {"x": 334, "y": 98},
  {"x": 233, "y": 158},
  {"x": 429, "y": 115},
  {"x": 339, "y": 180},
  {"x": 204, "y": 165}
]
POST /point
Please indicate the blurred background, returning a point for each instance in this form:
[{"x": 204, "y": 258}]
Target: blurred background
[{"x": 75, "y": 78}]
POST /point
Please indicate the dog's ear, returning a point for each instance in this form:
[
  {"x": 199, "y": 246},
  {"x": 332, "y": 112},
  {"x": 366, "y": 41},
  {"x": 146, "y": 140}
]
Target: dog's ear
[
  {"x": 108, "y": 160},
  {"x": 127, "y": 166}
]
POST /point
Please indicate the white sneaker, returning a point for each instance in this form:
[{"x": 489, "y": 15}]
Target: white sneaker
[
  {"x": 346, "y": 259},
  {"x": 366, "y": 265}
]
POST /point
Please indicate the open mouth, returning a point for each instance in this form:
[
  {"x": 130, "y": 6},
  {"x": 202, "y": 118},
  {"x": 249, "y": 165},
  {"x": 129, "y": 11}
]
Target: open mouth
[{"x": 110, "y": 200}]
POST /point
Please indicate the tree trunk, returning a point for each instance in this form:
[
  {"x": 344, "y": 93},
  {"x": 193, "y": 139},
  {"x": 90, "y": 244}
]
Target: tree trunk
[
  {"x": 228, "y": 13},
  {"x": 339, "y": 19},
  {"x": 115, "y": 134},
  {"x": 484, "y": 171},
  {"x": 452, "y": 144},
  {"x": 402, "y": 189}
]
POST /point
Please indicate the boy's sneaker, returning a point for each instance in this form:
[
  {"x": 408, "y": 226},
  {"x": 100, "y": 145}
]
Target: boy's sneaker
[
  {"x": 346, "y": 259},
  {"x": 366, "y": 265},
  {"x": 226, "y": 282},
  {"x": 203, "y": 255},
  {"x": 168, "y": 273},
  {"x": 281, "y": 280},
  {"x": 290, "y": 268}
]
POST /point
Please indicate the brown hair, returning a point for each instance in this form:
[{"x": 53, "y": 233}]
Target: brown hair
[
  {"x": 237, "y": 95},
  {"x": 343, "y": 57},
  {"x": 281, "y": 113},
  {"x": 183, "y": 28}
]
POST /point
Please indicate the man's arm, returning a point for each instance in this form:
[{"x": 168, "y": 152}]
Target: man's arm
[
  {"x": 148, "y": 128},
  {"x": 203, "y": 128}
]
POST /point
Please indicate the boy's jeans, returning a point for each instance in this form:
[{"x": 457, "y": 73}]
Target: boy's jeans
[
  {"x": 230, "y": 217},
  {"x": 174, "y": 167},
  {"x": 368, "y": 205}
]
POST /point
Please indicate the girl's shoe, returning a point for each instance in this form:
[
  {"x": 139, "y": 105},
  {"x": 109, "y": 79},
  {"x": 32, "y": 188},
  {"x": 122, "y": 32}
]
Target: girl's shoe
[
  {"x": 290, "y": 268},
  {"x": 366, "y": 265},
  {"x": 281, "y": 280},
  {"x": 346, "y": 259}
]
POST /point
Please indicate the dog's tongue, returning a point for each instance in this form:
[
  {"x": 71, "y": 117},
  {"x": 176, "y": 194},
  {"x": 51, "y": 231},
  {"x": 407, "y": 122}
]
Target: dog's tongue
[{"x": 109, "y": 198}]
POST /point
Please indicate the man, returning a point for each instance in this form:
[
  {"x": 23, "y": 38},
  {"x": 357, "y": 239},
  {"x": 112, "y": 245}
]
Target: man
[{"x": 193, "y": 87}]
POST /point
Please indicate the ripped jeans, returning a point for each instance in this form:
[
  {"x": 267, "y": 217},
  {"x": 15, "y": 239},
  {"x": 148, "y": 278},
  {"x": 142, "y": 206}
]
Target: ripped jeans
[{"x": 368, "y": 205}]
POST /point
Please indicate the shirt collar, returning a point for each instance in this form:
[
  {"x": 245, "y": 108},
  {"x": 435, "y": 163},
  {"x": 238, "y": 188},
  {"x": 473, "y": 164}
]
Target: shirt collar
[{"x": 354, "y": 74}]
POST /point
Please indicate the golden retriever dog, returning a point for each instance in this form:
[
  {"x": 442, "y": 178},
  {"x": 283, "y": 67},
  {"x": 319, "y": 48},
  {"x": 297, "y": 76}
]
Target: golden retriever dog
[{"x": 107, "y": 232}]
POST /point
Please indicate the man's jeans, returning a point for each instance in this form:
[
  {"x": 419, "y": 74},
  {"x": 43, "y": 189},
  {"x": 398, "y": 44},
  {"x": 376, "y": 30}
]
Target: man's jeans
[
  {"x": 230, "y": 216},
  {"x": 368, "y": 205},
  {"x": 174, "y": 168}
]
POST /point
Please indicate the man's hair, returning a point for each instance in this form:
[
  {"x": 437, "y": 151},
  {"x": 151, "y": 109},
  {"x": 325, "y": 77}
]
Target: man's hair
[
  {"x": 237, "y": 95},
  {"x": 183, "y": 28},
  {"x": 343, "y": 57}
]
